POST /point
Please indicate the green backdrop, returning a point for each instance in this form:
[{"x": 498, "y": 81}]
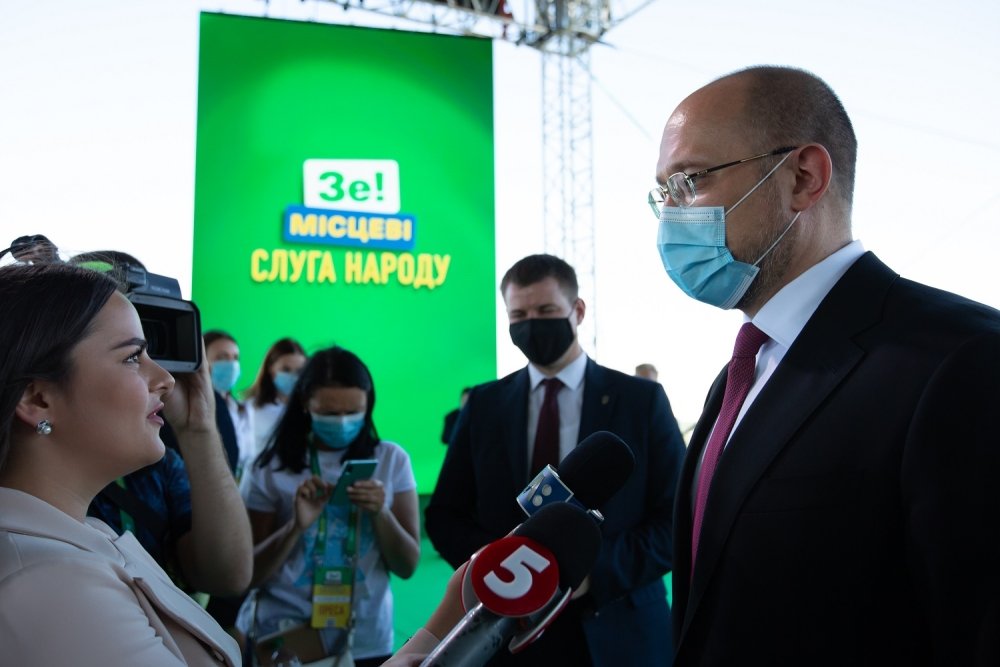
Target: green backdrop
[{"x": 383, "y": 242}]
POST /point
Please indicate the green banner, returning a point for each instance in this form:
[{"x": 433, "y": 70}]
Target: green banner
[{"x": 344, "y": 195}]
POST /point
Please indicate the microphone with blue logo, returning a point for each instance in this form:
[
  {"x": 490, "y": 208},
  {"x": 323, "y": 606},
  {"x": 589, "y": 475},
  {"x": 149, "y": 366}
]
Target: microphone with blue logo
[{"x": 587, "y": 478}]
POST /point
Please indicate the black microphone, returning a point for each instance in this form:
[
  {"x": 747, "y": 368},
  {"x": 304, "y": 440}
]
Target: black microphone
[
  {"x": 588, "y": 477},
  {"x": 523, "y": 581}
]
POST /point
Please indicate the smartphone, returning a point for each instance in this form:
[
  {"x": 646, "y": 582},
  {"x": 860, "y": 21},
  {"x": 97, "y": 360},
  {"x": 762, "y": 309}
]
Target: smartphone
[{"x": 354, "y": 470}]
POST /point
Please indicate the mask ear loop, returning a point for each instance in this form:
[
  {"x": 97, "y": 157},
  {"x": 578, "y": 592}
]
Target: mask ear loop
[
  {"x": 778, "y": 240},
  {"x": 759, "y": 183}
]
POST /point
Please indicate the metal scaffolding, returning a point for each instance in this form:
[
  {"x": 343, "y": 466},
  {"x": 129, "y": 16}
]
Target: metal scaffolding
[{"x": 567, "y": 170}]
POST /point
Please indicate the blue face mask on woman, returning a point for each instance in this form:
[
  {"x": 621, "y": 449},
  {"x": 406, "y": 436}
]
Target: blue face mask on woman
[
  {"x": 225, "y": 373},
  {"x": 337, "y": 431},
  {"x": 692, "y": 245},
  {"x": 284, "y": 382}
]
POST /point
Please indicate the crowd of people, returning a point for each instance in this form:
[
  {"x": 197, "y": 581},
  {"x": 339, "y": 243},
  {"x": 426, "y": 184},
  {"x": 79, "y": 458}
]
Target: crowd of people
[
  {"x": 238, "y": 499},
  {"x": 835, "y": 504}
]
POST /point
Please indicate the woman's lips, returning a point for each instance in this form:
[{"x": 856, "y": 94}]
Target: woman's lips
[{"x": 155, "y": 416}]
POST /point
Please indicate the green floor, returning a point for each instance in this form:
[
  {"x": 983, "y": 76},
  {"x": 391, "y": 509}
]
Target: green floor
[{"x": 416, "y": 597}]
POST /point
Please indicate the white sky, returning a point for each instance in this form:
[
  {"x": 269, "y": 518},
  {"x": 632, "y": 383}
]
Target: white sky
[{"x": 97, "y": 139}]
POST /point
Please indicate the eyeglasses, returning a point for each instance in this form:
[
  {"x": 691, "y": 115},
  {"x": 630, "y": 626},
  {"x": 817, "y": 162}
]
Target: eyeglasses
[{"x": 680, "y": 186}]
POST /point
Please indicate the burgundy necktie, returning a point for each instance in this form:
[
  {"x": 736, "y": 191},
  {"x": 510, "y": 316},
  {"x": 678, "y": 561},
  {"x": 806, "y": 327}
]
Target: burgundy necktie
[
  {"x": 739, "y": 379},
  {"x": 547, "y": 432}
]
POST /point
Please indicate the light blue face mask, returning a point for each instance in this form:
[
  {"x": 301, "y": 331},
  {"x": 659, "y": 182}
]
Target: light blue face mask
[
  {"x": 692, "y": 245},
  {"x": 337, "y": 431},
  {"x": 284, "y": 382},
  {"x": 225, "y": 373}
]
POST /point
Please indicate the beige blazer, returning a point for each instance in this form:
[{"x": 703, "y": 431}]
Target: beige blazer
[{"x": 77, "y": 594}]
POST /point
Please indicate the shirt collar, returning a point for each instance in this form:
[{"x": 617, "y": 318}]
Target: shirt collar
[
  {"x": 785, "y": 315},
  {"x": 571, "y": 376}
]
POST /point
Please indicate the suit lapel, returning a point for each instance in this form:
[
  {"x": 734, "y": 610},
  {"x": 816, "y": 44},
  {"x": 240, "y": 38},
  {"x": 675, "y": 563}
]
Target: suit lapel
[
  {"x": 683, "y": 501},
  {"x": 514, "y": 427},
  {"x": 598, "y": 401},
  {"x": 817, "y": 362}
]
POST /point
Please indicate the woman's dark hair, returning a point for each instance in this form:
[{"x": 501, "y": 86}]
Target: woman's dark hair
[
  {"x": 332, "y": 367},
  {"x": 216, "y": 334},
  {"x": 46, "y": 309},
  {"x": 263, "y": 391}
]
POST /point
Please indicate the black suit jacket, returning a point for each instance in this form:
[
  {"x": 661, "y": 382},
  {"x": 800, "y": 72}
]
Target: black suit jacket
[
  {"x": 854, "y": 518},
  {"x": 625, "y": 617}
]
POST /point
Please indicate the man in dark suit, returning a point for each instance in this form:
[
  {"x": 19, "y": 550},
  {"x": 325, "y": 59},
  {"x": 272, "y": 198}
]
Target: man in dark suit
[
  {"x": 623, "y": 618},
  {"x": 844, "y": 472}
]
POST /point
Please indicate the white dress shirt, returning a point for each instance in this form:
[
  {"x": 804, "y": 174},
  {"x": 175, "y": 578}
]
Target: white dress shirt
[
  {"x": 783, "y": 317},
  {"x": 570, "y": 399}
]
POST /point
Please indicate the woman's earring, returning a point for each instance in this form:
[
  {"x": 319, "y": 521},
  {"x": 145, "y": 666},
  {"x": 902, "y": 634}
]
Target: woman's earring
[{"x": 43, "y": 427}]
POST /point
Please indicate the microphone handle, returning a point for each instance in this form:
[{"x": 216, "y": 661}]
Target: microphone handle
[{"x": 477, "y": 638}]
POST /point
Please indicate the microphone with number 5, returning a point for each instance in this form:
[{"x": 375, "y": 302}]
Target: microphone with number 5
[{"x": 522, "y": 582}]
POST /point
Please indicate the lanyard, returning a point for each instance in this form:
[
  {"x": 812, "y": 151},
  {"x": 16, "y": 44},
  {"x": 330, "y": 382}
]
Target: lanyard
[
  {"x": 319, "y": 548},
  {"x": 128, "y": 524}
]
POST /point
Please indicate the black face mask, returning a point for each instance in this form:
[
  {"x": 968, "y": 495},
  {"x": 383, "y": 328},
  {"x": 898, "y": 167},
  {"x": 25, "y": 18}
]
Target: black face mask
[{"x": 542, "y": 340}]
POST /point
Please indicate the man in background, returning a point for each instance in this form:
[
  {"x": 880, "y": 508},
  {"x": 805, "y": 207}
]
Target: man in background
[
  {"x": 511, "y": 428},
  {"x": 647, "y": 371}
]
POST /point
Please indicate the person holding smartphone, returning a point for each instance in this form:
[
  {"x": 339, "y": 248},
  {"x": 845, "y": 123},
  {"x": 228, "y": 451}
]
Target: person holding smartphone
[{"x": 333, "y": 509}]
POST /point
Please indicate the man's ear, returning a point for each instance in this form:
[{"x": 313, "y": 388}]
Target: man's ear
[
  {"x": 813, "y": 173},
  {"x": 580, "y": 308},
  {"x": 35, "y": 404}
]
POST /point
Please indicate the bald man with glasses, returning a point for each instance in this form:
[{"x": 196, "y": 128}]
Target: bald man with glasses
[{"x": 838, "y": 504}]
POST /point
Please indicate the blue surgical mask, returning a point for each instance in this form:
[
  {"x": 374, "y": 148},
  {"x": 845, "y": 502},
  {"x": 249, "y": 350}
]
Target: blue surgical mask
[
  {"x": 337, "y": 431},
  {"x": 225, "y": 373},
  {"x": 692, "y": 244},
  {"x": 285, "y": 382}
]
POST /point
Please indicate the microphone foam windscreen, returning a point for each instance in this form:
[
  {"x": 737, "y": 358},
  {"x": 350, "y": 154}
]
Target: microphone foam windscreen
[
  {"x": 570, "y": 534},
  {"x": 597, "y": 468}
]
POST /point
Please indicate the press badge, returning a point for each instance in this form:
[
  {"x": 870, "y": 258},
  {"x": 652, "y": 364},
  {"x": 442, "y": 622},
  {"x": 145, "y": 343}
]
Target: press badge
[{"x": 331, "y": 597}]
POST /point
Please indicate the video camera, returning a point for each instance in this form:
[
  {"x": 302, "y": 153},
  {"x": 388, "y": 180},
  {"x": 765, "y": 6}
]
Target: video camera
[{"x": 171, "y": 325}]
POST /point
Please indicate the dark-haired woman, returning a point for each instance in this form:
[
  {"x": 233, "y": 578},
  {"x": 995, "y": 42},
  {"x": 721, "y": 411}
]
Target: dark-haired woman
[
  {"x": 80, "y": 406},
  {"x": 299, "y": 529},
  {"x": 268, "y": 395},
  {"x": 222, "y": 353}
]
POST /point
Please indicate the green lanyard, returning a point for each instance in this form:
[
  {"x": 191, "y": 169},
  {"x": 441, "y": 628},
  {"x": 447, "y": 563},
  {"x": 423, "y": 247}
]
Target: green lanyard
[
  {"x": 128, "y": 524},
  {"x": 319, "y": 549}
]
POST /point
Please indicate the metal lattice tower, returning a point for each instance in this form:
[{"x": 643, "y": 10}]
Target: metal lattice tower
[{"x": 567, "y": 170}]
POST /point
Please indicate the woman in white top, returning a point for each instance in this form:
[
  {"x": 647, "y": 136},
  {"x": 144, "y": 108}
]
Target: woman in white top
[
  {"x": 80, "y": 404},
  {"x": 301, "y": 528},
  {"x": 268, "y": 394},
  {"x": 222, "y": 353}
]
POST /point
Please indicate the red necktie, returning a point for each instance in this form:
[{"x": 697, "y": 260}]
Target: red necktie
[
  {"x": 547, "y": 432},
  {"x": 739, "y": 379}
]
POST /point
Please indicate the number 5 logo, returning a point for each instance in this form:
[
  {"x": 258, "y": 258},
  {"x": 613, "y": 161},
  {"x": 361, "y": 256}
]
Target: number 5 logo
[
  {"x": 517, "y": 564},
  {"x": 514, "y": 576}
]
